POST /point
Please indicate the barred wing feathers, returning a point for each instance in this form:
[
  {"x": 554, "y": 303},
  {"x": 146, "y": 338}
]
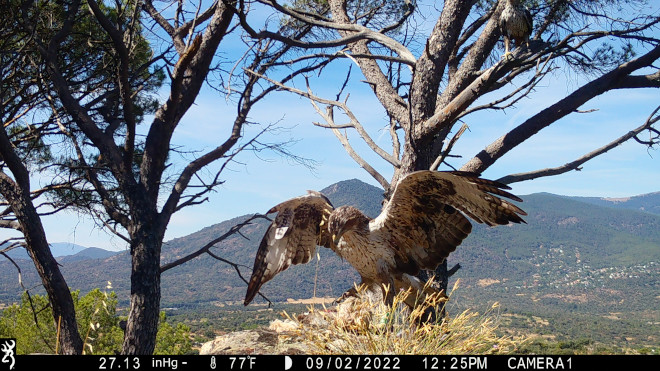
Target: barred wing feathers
[
  {"x": 425, "y": 220},
  {"x": 291, "y": 238}
]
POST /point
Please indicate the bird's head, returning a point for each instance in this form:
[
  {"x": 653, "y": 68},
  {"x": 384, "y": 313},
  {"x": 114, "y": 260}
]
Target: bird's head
[{"x": 344, "y": 219}]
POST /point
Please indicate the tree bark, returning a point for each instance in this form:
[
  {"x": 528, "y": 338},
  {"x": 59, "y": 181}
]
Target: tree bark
[
  {"x": 147, "y": 225},
  {"x": 430, "y": 67},
  {"x": 17, "y": 193},
  {"x": 59, "y": 295},
  {"x": 56, "y": 287},
  {"x": 142, "y": 324}
]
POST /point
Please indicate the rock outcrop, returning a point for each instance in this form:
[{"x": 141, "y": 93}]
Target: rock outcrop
[
  {"x": 289, "y": 336},
  {"x": 280, "y": 337}
]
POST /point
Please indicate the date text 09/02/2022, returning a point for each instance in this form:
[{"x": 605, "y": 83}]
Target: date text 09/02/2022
[{"x": 438, "y": 362}]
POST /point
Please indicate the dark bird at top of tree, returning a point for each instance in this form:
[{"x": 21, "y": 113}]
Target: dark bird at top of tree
[
  {"x": 423, "y": 222},
  {"x": 515, "y": 24}
]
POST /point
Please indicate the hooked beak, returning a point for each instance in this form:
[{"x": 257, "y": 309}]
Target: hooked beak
[{"x": 335, "y": 239}]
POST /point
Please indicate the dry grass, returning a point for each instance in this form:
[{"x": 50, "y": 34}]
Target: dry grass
[{"x": 364, "y": 325}]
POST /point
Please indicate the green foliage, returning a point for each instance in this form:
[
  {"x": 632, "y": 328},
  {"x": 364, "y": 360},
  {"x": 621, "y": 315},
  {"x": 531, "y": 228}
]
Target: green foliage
[
  {"x": 32, "y": 324},
  {"x": 581, "y": 346},
  {"x": 172, "y": 339},
  {"x": 31, "y": 112},
  {"x": 98, "y": 322}
]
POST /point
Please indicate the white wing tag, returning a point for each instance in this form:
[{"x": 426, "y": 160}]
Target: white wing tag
[{"x": 279, "y": 232}]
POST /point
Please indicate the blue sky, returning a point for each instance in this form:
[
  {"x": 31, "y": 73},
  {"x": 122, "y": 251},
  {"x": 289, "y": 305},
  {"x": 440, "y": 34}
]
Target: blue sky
[{"x": 255, "y": 183}]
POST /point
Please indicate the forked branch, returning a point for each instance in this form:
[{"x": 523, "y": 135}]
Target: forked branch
[
  {"x": 354, "y": 123},
  {"x": 205, "y": 249},
  {"x": 654, "y": 140}
]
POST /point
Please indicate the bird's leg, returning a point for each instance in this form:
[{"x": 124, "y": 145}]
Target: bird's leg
[
  {"x": 507, "y": 53},
  {"x": 386, "y": 282}
]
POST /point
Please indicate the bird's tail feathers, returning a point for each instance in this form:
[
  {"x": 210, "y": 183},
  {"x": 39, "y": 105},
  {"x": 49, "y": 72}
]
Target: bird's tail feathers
[{"x": 421, "y": 291}]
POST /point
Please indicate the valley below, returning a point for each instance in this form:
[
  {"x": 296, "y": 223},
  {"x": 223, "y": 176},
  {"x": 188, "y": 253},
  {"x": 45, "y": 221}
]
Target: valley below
[{"x": 583, "y": 275}]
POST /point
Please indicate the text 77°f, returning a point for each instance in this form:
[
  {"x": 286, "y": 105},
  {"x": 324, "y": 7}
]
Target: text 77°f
[{"x": 242, "y": 363}]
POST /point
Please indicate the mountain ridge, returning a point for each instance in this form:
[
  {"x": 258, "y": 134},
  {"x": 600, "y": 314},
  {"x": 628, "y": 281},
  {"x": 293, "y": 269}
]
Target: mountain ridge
[
  {"x": 60, "y": 250},
  {"x": 648, "y": 202},
  {"x": 563, "y": 235},
  {"x": 578, "y": 269}
]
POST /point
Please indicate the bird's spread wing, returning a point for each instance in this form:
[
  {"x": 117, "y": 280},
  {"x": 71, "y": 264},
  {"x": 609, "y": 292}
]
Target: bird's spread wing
[
  {"x": 425, "y": 219},
  {"x": 291, "y": 238}
]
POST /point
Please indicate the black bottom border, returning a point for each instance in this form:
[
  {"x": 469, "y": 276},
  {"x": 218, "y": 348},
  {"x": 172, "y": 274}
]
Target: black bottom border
[{"x": 330, "y": 362}]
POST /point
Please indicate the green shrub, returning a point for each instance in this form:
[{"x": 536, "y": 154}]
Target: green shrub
[{"x": 31, "y": 323}]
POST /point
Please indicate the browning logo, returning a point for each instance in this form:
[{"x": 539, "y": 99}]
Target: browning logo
[{"x": 8, "y": 348}]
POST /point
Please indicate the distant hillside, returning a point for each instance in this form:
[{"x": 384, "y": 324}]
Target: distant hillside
[
  {"x": 58, "y": 249},
  {"x": 600, "y": 235},
  {"x": 84, "y": 270},
  {"x": 649, "y": 203},
  {"x": 571, "y": 254},
  {"x": 573, "y": 258},
  {"x": 206, "y": 279},
  {"x": 88, "y": 253},
  {"x": 355, "y": 193}
]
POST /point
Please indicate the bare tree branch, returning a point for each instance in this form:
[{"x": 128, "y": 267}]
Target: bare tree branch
[
  {"x": 354, "y": 123},
  {"x": 394, "y": 105},
  {"x": 448, "y": 148},
  {"x": 357, "y": 33},
  {"x": 471, "y": 93},
  {"x": 238, "y": 271},
  {"x": 576, "y": 165},
  {"x": 510, "y": 99},
  {"x": 558, "y": 110},
  {"x": 204, "y": 249},
  {"x": 328, "y": 116}
]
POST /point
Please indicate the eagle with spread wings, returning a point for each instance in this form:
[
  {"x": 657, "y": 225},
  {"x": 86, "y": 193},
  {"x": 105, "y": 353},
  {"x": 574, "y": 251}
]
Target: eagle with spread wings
[{"x": 425, "y": 219}]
